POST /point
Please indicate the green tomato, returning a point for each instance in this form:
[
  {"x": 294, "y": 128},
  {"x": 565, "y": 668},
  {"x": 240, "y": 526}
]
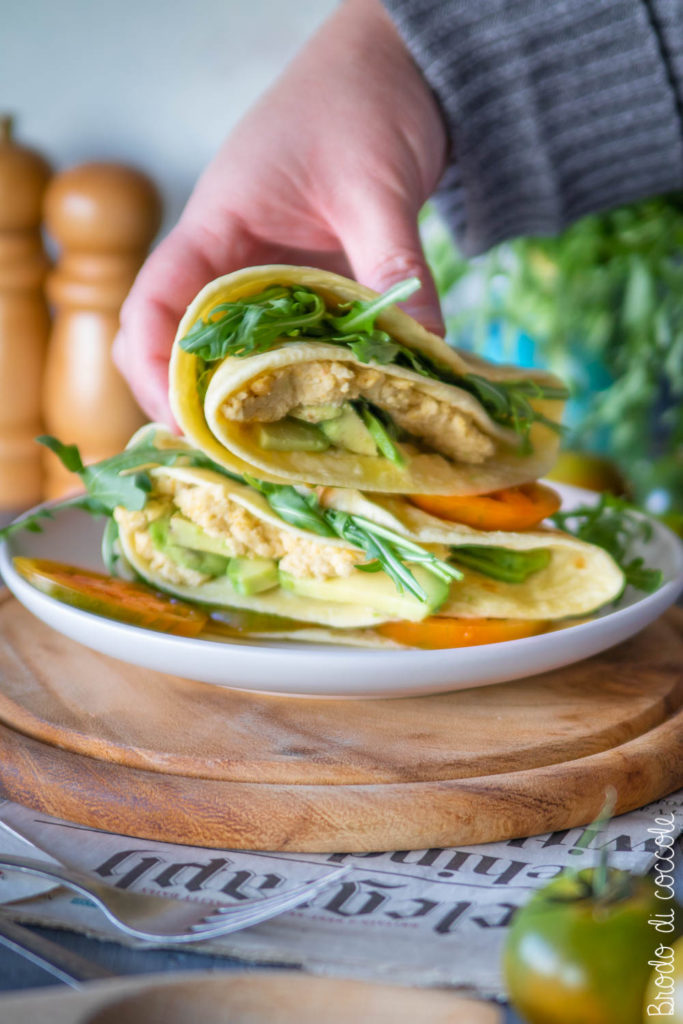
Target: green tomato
[{"x": 575, "y": 957}]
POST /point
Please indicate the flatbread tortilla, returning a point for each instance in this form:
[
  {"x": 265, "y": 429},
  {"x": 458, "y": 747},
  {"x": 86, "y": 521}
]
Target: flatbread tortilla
[
  {"x": 209, "y": 420},
  {"x": 578, "y": 579}
]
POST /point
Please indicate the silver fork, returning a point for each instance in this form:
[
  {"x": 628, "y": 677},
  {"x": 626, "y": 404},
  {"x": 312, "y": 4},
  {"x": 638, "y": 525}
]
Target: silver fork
[{"x": 165, "y": 919}]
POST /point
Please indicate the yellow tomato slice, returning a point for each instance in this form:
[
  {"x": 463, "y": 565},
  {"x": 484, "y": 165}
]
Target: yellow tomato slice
[
  {"x": 439, "y": 632},
  {"x": 514, "y": 508},
  {"x": 111, "y": 597}
]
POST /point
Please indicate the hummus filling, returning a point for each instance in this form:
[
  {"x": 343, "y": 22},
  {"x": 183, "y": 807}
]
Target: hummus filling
[
  {"x": 220, "y": 517},
  {"x": 287, "y": 391}
]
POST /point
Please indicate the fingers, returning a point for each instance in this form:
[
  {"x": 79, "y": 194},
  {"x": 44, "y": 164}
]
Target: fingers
[
  {"x": 336, "y": 262},
  {"x": 149, "y": 318},
  {"x": 190, "y": 257},
  {"x": 383, "y": 245},
  {"x": 180, "y": 266}
]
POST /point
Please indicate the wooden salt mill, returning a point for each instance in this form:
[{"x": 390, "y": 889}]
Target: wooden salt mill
[
  {"x": 104, "y": 216},
  {"x": 24, "y": 319}
]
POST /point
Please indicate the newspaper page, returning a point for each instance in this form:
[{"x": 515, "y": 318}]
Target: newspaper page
[{"x": 418, "y": 917}]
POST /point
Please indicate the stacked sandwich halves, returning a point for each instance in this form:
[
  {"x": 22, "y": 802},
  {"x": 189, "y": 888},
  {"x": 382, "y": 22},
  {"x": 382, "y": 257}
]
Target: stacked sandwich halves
[{"x": 345, "y": 467}]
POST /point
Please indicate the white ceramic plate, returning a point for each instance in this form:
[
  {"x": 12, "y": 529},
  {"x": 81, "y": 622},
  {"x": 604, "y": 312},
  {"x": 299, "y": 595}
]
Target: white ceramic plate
[{"x": 299, "y": 669}]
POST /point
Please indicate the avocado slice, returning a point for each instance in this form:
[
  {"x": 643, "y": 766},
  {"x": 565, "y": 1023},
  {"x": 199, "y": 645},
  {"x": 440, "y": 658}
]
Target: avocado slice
[
  {"x": 374, "y": 590},
  {"x": 348, "y": 431},
  {"x": 252, "y": 575},
  {"x": 382, "y": 437},
  {"x": 201, "y": 561},
  {"x": 187, "y": 534},
  {"x": 502, "y": 563},
  {"x": 206, "y": 562},
  {"x": 317, "y": 413},
  {"x": 289, "y": 435}
]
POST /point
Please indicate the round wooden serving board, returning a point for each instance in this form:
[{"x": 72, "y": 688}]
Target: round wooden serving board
[
  {"x": 240, "y": 997},
  {"x": 110, "y": 745}
]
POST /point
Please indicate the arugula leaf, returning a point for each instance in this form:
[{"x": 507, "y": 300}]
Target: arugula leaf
[
  {"x": 502, "y": 563},
  {"x": 375, "y": 566},
  {"x": 253, "y": 324},
  {"x": 362, "y": 314},
  {"x": 380, "y": 435},
  {"x": 418, "y": 362},
  {"x": 411, "y": 551},
  {"x": 68, "y": 454},
  {"x": 292, "y": 506},
  {"x": 108, "y": 483},
  {"x": 113, "y": 481},
  {"x": 507, "y": 403},
  {"x": 371, "y": 348},
  {"x": 642, "y": 578},
  {"x": 204, "y": 375},
  {"x": 200, "y": 461},
  {"x": 611, "y": 524},
  {"x": 378, "y": 550},
  {"x": 386, "y": 550},
  {"x": 32, "y": 522},
  {"x": 122, "y": 479},
  {"x": 108, "y": 486},
  {"x": 391, "y": 550}
]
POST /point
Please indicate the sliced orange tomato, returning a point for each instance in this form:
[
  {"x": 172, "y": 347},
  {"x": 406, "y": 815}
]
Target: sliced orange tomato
[
  {"x": 439, "y": 632},
  {"x": 111, "y": 597},
  {"x": 514, "y": 508}
]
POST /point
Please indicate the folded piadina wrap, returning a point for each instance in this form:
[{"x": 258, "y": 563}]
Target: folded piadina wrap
[
  {"x": 343, "y": 559},
  {"x": 295, "y": 374}
]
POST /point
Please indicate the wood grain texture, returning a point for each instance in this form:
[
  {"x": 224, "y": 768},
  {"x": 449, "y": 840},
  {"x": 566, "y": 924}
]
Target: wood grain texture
[
  {"x": 24, "y": 319},
  {"x": 256, "y": 997},
  {"x": 118, "y": 747},
  {"x": 103, "y": 217}
]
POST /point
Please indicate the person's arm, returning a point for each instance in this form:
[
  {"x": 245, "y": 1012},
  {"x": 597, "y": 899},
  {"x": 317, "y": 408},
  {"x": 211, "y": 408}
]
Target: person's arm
[
  {"x": 329, "y": 169},
  {"x": 556, "y": 108},
  {"x": 538, "y": 111}
]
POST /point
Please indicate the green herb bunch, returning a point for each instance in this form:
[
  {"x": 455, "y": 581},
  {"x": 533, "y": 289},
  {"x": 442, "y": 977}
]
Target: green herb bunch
[
  {"x": 603, "y": 304},
  {"x": 615, "y": 525}
]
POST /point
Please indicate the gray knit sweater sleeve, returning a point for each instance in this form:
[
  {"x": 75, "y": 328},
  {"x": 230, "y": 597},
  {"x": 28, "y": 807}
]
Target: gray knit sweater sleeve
[{"x": 555, "y": 108}]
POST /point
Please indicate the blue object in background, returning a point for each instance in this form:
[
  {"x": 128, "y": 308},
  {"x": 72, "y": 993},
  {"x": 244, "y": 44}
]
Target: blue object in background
[{"x": 585, "y": 375}]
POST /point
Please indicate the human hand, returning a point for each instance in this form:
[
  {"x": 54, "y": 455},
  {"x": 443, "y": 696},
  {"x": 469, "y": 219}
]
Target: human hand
[{"x": 329, "y": 169}]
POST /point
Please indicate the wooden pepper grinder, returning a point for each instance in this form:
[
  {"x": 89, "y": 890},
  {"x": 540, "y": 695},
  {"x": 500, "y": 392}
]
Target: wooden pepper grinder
[
  {"x": 24, "y": 319},
  {"x": 104, "y": 216}
]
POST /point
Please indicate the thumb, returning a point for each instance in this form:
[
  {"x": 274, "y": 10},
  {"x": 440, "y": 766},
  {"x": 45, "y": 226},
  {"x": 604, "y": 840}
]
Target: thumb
[
  {"x": 383, "y": 246},
  {"x": 168, "y": 280},
  {"x": 179, "y": 267}
]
